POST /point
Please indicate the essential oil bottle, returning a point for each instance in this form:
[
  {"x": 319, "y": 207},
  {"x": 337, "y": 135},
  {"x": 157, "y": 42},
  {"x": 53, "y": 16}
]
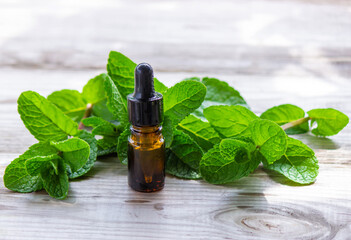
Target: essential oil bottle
[{"x": 146, "y": 150}]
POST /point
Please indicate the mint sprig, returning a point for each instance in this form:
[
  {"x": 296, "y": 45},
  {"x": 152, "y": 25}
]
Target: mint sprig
[
  {"x": 286, "y": 113},
  {"x": 209, "y": 132},
  {"x": 298, "y": 163},
  {"x": 328, "y": 121}
]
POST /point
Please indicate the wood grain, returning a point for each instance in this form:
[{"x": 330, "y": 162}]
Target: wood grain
[{"x": 274, "y": 52}]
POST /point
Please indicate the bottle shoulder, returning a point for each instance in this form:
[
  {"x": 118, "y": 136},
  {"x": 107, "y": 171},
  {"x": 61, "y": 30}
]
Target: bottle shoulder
[{"x": 146, "y": 138}]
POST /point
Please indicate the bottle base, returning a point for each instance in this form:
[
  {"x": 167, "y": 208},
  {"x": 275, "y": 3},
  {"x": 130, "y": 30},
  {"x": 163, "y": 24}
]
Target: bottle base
[{"x": 146, "y": 190}]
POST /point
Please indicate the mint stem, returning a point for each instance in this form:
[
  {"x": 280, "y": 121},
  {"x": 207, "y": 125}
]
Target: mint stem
[
  {"x": 295, "y": 123},
  {"x": 87, "y": 114}
]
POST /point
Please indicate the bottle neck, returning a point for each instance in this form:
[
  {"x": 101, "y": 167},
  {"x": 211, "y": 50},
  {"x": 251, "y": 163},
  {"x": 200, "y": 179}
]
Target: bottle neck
[{"x": 146, "y": 129}]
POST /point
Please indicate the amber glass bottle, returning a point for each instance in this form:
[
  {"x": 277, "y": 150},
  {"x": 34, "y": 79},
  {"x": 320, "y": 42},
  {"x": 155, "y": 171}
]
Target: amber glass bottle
[{"x": 146, "y": 151}]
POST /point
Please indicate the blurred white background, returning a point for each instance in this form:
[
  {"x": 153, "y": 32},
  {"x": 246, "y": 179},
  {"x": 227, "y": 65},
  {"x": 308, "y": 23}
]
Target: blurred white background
[{"x": 289, "y": 50}]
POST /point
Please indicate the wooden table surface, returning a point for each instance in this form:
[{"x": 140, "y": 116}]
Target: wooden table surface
[{"x": 272, "y": 51}]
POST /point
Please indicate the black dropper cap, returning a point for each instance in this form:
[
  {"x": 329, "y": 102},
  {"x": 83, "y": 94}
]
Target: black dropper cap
[{"x": 145, "y": 106}]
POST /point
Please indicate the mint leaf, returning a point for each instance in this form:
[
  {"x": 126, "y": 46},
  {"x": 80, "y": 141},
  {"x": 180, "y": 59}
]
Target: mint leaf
[
  {"x": 35, "y": 164},
  {"x": 230, "y": 121},
  {"x": 90, "y": 139},
  {"x": 54, "y": 163},
  {"x": 16, "y": 177},
  {"x": 299, "y": 163},
  {"x": 167, "y": 131},
  {"x": 329, "y": 121},
  {"x": 107, "y": 145},
  {"x": 186, "y": 149},
  {"x": 43, "y": 119},
  {"x": 122, "y": 146},
  {"x": 287, "y": 113},
  {"x": 101, "y": 127},
  {"x": 55, "y": 182},
  {"x": 269, "y": 138},
  {"x": 115, "y": 102},
  {"x": 228, "y": 161},
  {"x": 178, "y": 168},
  {"x": 100, "y": 110},
  {"x": 229, "y": 149},
  {"x": 200, "y": 131},
  {"x": 70, "y": 102},
  {"x": 192, "y": 78},
  {"x": 182, "y": 99},
  {"x": 75, "y": 152},
  {"x": 94, "y": 91},
  {"x": 219, "y": 93},
  {"x": 47, "y": 170},
  {"x": 121, "y": 70},
  {"x": 109, "y": 131}
]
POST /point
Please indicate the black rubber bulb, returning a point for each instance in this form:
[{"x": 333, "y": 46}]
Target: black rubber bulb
[
  {"x": 145, "y": 106},
  {"x": 144, "y": 82}
]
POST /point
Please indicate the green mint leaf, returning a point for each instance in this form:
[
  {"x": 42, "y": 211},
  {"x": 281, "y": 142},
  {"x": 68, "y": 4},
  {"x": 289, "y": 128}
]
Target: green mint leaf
[
  {"x": 90, "y": 139},
  {"x": 115, "y": 102},
  {"x": 287, "y": 113},
  {"x": 229, "y": 149},
  {"x": 100, "y": 110},
  {"x": 107, "y": 145},
  {"x": 121, "y": 70},
  {"x": 219, "y": 93},
  {"x": 122, "y": 146},
  {"x": 269, "y": 138},
  {"x": 70, "y": 102},
  {"x": 54, "y": 164},
  {"x": 228, "y": 161},
  {"x": 167, "y": 131},
  {"x": 109, "y": 131},
  {"x": 230, "y": 121},
  {"x": 94, "y": 91},
  {"x": 329, "y": 121},
  {"x": 186, "y": 149},
  {"x": 101, "y": 127},
  {"x": 43, "y": 119},
  {"x": 16, "y": 177},
  {"x": 55, "y": 182},
  {"x": 193, "y": 78},
  {"x": 75, "y": 152},
  {"x": 108, "y": 142},
  {"x": 182, "y": 99},
  {"x": 299, "y": 163},
  {"x": 178, "y": 168},
  {"x": 35, "y": 164},
  {"x": 200, "y": 131}
]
